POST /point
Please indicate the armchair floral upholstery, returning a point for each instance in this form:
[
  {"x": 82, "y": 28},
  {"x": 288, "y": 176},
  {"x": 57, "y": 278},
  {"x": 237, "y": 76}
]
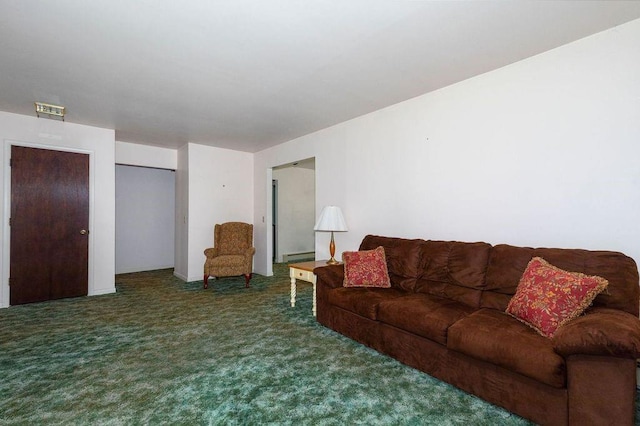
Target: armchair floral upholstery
[{"x": 232, "y": 254}]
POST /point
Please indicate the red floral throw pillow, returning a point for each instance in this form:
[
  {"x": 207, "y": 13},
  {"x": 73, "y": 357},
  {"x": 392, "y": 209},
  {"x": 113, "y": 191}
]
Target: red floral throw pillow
[
  {"x": 547, "y": 297},
  {"x": 367, "y": 268}
]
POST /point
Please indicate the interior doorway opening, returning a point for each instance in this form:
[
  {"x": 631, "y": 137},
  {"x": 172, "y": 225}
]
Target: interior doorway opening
[{"x": 293, "y": 211}]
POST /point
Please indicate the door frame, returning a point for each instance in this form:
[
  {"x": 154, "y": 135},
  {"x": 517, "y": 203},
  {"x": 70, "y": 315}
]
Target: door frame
[
  {"x": 272, "y": 204},
  {"x": 6, "y": 244},
  {"x": 274, "y": 219}
]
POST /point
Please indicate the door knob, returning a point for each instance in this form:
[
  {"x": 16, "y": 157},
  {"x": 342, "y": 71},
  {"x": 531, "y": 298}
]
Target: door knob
[{"x": 83, "y": 232}]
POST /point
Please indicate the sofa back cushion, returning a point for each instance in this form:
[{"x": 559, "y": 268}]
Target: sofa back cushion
[
  {"x": 454, "y": 270},
  {"x": 403, "y": 259},
  {"x": 507, "y": 264}
]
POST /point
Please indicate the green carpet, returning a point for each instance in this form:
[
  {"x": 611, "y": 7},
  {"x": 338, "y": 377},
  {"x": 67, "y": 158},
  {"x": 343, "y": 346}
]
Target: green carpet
[{"x": 160, "y": 351}]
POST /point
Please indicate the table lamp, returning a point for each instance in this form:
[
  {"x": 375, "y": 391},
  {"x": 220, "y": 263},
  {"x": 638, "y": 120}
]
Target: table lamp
[{"x": 331, "y": 220}]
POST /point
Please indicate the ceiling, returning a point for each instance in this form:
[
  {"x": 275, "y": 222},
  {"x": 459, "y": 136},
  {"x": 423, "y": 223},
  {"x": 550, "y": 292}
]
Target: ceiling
[{"x": 250, "y": 74}]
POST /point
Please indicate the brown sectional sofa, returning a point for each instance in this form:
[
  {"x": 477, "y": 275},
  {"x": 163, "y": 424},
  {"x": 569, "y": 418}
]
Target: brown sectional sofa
[{"x": 444, "y": 315}]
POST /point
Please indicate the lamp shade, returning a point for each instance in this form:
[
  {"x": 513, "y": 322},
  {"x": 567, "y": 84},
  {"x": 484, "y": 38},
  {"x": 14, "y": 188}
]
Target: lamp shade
[{"x": 331, "y": 219}]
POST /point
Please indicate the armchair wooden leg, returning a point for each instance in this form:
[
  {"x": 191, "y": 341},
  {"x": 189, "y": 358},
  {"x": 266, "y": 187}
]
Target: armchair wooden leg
[
  {"x": 247, "y": 277},
  {"x": 206, "y": 281}
]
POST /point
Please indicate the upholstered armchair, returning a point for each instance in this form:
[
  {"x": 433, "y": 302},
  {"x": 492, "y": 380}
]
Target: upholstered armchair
[{"x": 232, "y": 254}]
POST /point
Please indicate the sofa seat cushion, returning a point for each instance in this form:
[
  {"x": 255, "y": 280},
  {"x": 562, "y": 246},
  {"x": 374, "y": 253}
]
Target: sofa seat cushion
[
  {"x": 423, "y": 314},
  {"x": 363, "y": 301},
  {"x": 494, "y": 336}
]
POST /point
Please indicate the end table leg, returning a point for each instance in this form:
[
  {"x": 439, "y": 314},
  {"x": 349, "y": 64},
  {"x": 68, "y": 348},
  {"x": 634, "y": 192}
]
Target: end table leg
[
  {"x": 314, "y": 299},
  {"x": 293, "y": 292}
]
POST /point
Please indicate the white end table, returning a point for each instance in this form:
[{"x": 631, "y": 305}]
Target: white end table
[{"x": 304, "y": 271}]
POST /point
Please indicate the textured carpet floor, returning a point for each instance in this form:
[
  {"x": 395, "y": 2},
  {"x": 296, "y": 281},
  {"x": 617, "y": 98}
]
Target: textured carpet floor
[{"x": 160, "y": 351}]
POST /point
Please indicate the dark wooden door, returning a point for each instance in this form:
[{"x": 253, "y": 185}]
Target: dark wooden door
[{"x": 49, "y": 225}]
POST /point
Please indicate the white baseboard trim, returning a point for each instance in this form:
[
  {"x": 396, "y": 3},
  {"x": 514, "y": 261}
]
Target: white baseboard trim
[
  {"x": 142, "y": 269},
  {"x": 298, "y": 256},
  {"x": 187, "y": 279},
  {"x": 102, "y": 291}
]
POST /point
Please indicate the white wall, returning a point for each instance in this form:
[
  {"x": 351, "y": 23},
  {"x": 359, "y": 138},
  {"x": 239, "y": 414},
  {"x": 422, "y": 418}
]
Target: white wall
[
  {"x": 182, "y": 214},
  {"x": 145, "y": 218},
  {"x": 146, "y": 156},
  {"x": 539, "y": 153},
  {"x": 99, "y": 144},
  {"x": 220, "y": 188},
  {"x": 296, "y": 210}
]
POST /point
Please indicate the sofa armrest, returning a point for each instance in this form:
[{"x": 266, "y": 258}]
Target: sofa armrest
[
  {"x": 211, "y": 252},
  {"x": 331, "y": 276},
  {"x": 602, "y": 331}
]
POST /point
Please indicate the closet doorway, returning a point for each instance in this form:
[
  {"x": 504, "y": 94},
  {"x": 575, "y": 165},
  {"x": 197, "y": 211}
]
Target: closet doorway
[{"x": 145, "y": 218}]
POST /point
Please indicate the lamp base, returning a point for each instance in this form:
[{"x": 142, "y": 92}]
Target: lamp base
[{"x": 332, "y": 252}]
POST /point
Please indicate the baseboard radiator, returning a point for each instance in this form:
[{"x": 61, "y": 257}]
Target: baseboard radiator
[{"x": 290, "y": 257}]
